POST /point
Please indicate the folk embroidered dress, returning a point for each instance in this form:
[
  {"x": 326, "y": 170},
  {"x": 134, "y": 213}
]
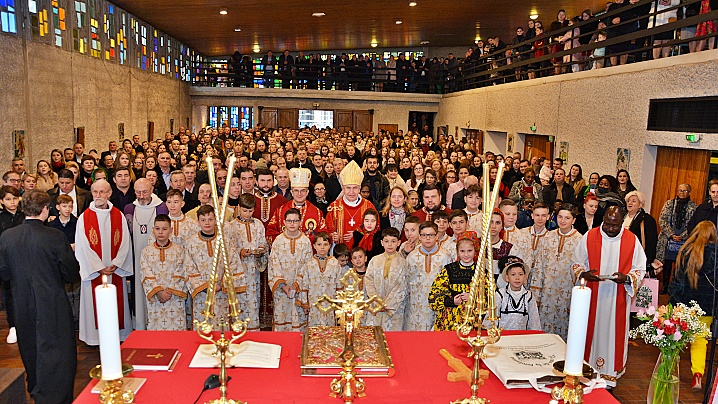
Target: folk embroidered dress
[
  {"x": 286, "y": 260},
  {"x": 423, "y": 267},
  {"x": 319, "y": 277},
  {"x": 198, "y": 264},
  {"x": 454, "y": 279},
  {"x": 517, "y": 310},
  {"x": 386, "y": 278},
  {"x": 163, "y": 269},
  {"x": 553, "y": 279},
  {"x": 249, "y": 235}
]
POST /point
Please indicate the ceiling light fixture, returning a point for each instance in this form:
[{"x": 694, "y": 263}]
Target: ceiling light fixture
[
  {"x": 398, "y": 22},
  {"x": 424, "y": 42},
  {"x": 412, "y": 4},
  {"x": 374, "y": 44},
  {"x": 256, "y": 49},
  {"x": 533, "y": 16},
  {"x": 223, "y": 11},
  {"x": 237, "y": 29},
  {"x": 318, "y": 14}
]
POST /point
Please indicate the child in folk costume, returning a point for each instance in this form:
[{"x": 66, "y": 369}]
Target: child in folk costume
[
  {"x": 368, "y": 236},
  {"x": 411, "y": 233},
  {"x": 516, "y": 306},
  {"x": 499, "y": 247},
  {"x": 164, "y": 279},
  {"x": 318, "y": 277},
  {"x": 450, "y": 290},
  {"x": 291, "y": 250},
  {"x": 554, "y": 277},
  {"x": 386, "y": 278},
  {"x": 445, "y": 242},
  {"x": 425, "y": 263},
  {"x": 472, "y": 198},
  {"x": 183, "y": 227},
  {"x": 246, "y": 233},
  {"x": 532, "y": 239},
  {"x": 200, "y": 250}
]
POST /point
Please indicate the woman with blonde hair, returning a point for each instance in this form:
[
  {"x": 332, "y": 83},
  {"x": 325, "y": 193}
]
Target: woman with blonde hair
[
  {"x": 694, "y": 279},
  {"x": 46, "y": 177},
  {"x": 396, "y": 209}
]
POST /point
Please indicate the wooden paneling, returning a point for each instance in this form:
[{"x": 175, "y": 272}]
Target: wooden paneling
[
  {"x": 392, "y": 128},
  {"x": 289, "y": 118},
  {"x": 675, "y": 166},
  {"x": 363, "y": 121},
  {"x": 268, "y": 117},
  {"x": 537, "y": 146},
  {"x": 281, "y": 24},
  {"x": 343, "y": 120}
]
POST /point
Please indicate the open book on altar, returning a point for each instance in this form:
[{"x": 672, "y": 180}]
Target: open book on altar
[
  {"x": 248, "y": 354},
  {"x": 520, "y": 360}
]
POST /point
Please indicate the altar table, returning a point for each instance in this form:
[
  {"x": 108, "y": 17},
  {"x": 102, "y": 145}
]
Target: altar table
[{"x": 420, "y": 374}]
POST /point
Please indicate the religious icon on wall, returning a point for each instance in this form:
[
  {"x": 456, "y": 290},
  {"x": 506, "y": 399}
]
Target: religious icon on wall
[
  {"x": 623, "y": 159},
  {"x": 510, "y": 141},
  {"x": 121, "y": 130},
  {"x": 18, "y": 142},
  {"x": 563, "y": 151}
]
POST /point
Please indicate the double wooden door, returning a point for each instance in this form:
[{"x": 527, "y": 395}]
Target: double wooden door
[
  {"x": 538, "y": 146},
  {"x": 675, "y": 166}
]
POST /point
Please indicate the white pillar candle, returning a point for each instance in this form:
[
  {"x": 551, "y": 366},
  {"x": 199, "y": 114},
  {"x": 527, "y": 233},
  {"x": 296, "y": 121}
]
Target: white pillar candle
[
  {"x": 577, "y": 326},
  {"x": 109, "y": 329}
]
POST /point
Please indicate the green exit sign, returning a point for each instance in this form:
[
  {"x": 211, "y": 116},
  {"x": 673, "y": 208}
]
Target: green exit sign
[{"x": 693, "y": 138}]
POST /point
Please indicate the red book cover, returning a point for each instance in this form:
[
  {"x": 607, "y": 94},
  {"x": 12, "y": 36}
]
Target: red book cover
[{"x": 149, "y": 359}]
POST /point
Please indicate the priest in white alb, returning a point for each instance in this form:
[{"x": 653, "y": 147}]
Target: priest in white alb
[
  {"x": 610, "y": 258},
  {"x": 102, "y": 247}
]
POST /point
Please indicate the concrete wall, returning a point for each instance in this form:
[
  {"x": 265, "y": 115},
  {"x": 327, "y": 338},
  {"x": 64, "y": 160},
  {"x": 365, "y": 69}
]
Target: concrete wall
[
  {"x": 596, "y": 112},
  {"x": 389, "y": 108},
  {"x": 48, "y": 92}
]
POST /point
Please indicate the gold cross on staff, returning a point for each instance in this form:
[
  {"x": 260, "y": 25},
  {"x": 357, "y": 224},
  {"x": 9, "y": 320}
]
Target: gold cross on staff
[{"x": 349, "y": 305}]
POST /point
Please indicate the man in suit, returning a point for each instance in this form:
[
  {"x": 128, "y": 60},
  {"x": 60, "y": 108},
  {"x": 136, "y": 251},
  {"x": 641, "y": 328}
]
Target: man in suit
[
  {"x": 111, "y": 151},
  {"x": 66, "y": 186},
  {"x": 457, "y": 201}
]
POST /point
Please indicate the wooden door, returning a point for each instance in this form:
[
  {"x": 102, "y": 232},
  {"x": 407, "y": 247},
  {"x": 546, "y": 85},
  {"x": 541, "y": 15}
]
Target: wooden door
[
  {"x": 150, "y": 131},
  {"x": 537, "y": 146},
  {"x": 343, "y": 120},
  {"x": 289, "y": 118},
  {"x": 268, "y": 117},
  {"x": 80, "y": 135},
  {"x": 476, "y": 139},
  {"x": 363, "y": 121},
  {"x": 675, "y": 166},
  {"x": 391, "y": 128}
]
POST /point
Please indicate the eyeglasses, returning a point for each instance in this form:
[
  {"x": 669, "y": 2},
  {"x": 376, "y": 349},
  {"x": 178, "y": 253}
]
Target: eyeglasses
[
  {"x": 427, "y": 235},
  {"x": 319, "y": 189},
  {"x": 292, "y": 221}
]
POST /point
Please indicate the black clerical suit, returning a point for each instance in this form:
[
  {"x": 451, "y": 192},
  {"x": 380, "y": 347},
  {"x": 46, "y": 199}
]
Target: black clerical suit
[{"x": 39, "y": 261}]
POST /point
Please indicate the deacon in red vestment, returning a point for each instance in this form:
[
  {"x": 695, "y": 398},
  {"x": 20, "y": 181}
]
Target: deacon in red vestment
[
  {"x": 267, "y": 201},
  {"x": 312, "y": 217},
  {"x": 609, "y": 250},
  {"x": 346, "y": 214},
  {"x": 432, "y": 204}
]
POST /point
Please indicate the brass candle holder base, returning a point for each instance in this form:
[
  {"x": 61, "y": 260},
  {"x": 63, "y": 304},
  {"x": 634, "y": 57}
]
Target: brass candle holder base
[
  {"x": 347, "y": 387},
  {"x": 572, "y": 390},
  {"x": 112, "y": 392}
]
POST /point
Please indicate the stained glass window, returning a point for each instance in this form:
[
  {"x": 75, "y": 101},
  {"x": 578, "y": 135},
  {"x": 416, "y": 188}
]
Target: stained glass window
[
  {"x": 235, "y": 117},
  {"x": 143, "y": 44},
  {"x": 122, "y": 37},
  {"x": 8, "y": 17},
  {"x": 95, "y": 41},
  {"x": 110, "y": 30},
  {"x": 79, "y": 31},
  {"x": 39, "y": 22},
  {"x": 58, "y": 21}
]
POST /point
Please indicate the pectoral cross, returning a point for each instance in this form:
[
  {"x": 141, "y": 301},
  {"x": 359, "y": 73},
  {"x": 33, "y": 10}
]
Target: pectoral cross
[
  {"x": 352, "y": 222},
  {"x": 349, "y": 306}
]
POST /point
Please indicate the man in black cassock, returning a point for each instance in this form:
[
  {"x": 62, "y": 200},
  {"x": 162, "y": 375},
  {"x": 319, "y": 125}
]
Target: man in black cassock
[{"x": 39, "y": 262}]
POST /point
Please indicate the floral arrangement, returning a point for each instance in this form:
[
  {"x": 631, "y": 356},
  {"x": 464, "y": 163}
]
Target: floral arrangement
[{"x": 670, "y": 328}]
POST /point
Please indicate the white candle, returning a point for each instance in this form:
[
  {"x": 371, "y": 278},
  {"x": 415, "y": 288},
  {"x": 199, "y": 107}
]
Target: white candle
[
  {"x": 109, "y": 329},
  {"x": 577, "y": 326}
]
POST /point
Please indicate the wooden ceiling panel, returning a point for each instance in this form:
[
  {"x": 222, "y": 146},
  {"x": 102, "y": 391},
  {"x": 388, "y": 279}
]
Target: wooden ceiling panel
[{"x": 282, "y": 24}]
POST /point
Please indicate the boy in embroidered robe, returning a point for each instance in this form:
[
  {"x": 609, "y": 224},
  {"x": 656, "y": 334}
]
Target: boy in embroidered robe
[
  {"x": 425, "y": 263},
  {"x": 320, "y": 276},
  {"x": 246, "y": 234},
  {"x": 411, "y": 233},
  {"x": 511, "y": 213},
  {"x": 458, "y": 221},
  {"x": 183, "y": 226},
  {"x": 386, "y": 278},
  {"x": 164, "y": 279},
  {"x": 291, "y": 250},
  {"x": 474, "y": 217},
  {"x": 368, "y": 236},
  {"x": 532, "y": 239},
  {"x": 200, "y": 250},
  {"x": 445, "y": 242}
]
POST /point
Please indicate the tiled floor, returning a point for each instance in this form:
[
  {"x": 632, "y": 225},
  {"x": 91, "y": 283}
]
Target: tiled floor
[{"x": 631, "y": 388}]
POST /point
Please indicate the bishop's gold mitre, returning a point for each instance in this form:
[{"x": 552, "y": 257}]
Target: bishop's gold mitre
[
  {"x": 351, "y": 174},
  {"x": 299, "y": 177}
]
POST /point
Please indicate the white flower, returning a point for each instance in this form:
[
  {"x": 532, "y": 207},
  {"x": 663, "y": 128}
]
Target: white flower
[
  {"x": 677, "y": 336},
  {"x": 651, "y": 310}
]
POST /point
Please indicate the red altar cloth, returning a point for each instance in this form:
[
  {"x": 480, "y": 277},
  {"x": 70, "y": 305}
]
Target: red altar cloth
[{"x": 420, "y": 374}]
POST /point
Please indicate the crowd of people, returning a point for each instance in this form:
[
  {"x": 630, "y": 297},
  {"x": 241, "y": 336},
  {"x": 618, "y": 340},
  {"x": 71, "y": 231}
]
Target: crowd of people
[
  {"x": 401, "y": 210},
  {"x": 407, "y": 73}
]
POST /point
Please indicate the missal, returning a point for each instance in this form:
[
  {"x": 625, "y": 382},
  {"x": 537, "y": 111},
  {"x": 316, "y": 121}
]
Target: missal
[
  {"x": 322, "y": 345},
  {"x": 128, "y": 383},
  {"x": 150, "y": 358},
  {"x": 525, "y": 361},
  {"x": 248, "y": 354}
]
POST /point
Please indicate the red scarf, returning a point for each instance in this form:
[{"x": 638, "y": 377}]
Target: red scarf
[
  {"x": 594, "y": 242},
  {"x": 92, "y": 233},
  {"x": 367, "y": 241}
]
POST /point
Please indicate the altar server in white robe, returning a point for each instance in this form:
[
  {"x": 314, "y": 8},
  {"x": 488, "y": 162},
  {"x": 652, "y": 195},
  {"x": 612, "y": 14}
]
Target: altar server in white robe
[
  {"x": 102, "y": 247},
  {"x": 609, "y": 250}
]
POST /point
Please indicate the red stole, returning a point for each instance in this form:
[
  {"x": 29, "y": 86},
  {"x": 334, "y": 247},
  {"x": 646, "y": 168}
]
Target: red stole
[
  {"x": 367, "y": 241},
  {"x": 92, "y": 232},
  {"x": 594, "y": 243}
]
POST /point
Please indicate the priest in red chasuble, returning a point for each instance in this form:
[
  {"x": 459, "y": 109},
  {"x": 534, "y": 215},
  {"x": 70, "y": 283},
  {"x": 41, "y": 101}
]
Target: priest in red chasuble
[
  {"x": 432, "y": 204},
  {"x": 312, "y": 217},
  {"x": 267, "y": 200},
  {"x": 346, "y": 213},
  {"x": 609, "y": 250},
  {"x": 103, "y": 246}
]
